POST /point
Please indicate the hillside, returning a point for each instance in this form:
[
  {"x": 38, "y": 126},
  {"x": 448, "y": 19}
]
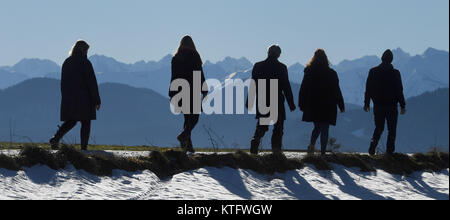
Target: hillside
[{"x": 132, "y": 116}]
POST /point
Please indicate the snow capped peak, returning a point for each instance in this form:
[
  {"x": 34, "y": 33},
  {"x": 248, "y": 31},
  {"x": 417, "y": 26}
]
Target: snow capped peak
[
  {"x": 431, "y": 52},
  {"x": 231, "y": 65},
  {"x": 36, "y": 67},
  {"x": 166, "y": 59},
  {"x": 103, "y": 63}
]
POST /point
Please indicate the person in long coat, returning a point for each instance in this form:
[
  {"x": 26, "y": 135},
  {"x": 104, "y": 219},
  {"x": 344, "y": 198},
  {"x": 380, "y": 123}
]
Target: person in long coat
[
  {"x": 79, "y": 95},
  {"x": 271, "y": 69},
  {"x": 185, "y": 63},
  {"x": 319, "y": 97}
]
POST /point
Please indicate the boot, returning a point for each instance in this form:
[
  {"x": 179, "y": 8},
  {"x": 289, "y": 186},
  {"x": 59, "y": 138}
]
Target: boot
[
  {"x": 311, "y": 149},
  {"x": 189, "y": 147},
  {"x": 323, "y": 151},
  {"x": 372, "y": 148},
  {"x": 183, "y": 142},
  {"x": 276, "y": 145},
  {"x": 54, "y": 143},
  {"x": 254, "y": 147}
]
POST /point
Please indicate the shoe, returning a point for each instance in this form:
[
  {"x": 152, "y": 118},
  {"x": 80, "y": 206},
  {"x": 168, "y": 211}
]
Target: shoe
[
  {"x": 276, "y": 146},
  {"x": 389, "y": 153},
  {"x": 83, "y": 147},
  {"x": 189, "y": 147},
  {"x": 311, "y": 149},
  {"x": 183, "y": 142},
  {"x": 372, "y": 148},
  {"x": 277, "y": 151},
  {"x": 54, "y": 143},
  {"x": 254, "y": 147}
]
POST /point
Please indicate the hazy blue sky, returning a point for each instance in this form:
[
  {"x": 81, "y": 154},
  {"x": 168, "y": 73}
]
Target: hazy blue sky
[{"x": 147, "y": 30}]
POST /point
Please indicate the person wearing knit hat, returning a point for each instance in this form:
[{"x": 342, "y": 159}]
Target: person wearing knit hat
[
  {"x": 266, "y": 72},
  {"x": 384, "y": 87}
]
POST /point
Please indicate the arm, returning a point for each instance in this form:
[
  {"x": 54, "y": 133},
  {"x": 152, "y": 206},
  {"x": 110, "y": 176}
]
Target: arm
[
  {"x": 286, "y": 87},
  {"x": 198, "y": 65},
  {"x": 251, "y": 95},
  {"x": 172, "y": 78},
  {"x": 399, "y": 90},
  {"x": 303, "y": 92},
  {"x": 63, "y": 70},
  {"x": 368, "y": 93},
  {"x": 340, "y": 102},
  {"x": 92, "y": 84}
]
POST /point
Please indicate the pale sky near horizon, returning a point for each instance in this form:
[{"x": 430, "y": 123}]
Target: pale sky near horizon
[{"x": 137, "y": 30}]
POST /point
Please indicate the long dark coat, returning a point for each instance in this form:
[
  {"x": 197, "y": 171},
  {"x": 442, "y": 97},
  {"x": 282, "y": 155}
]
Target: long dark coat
[
  {"x": 79, "y": 90},
  {"x": 320, "y": 95},
  {"x": 273, "y": 69},
  {"x": 184, "y": 63}
]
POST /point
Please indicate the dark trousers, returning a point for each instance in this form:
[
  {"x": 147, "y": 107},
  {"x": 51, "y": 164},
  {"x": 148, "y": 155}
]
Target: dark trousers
[
  {"x": 84, "y": 133},
  {"x": 190, "y": 121},
  {"x": 384, "y": 114},
  {"x": 320, "y": 129},
  {"x": 277, "y": 136}
]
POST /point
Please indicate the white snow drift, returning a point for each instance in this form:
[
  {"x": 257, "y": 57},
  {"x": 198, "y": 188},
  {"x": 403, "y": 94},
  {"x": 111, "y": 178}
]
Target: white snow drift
[{"x": 41, "y": 182}]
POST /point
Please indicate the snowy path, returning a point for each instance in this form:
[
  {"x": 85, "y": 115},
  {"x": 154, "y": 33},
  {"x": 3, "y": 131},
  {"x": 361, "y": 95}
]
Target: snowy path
[
  {"x": 41, "y": 182},
  {"x": 146, "y": 153}
]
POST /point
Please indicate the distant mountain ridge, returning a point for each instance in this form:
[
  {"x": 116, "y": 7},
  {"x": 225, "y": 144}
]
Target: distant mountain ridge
[
  {"x": 139, "y": 116},
  {"x": 421, "y": 73}
]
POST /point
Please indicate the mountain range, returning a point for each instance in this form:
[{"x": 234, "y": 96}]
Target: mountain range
[
  {"x": 421, "y": 73},
  {"x": 140, "y": 116},
  {"x": 135, "y": 107}
]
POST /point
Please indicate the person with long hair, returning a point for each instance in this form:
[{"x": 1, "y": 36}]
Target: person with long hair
[
  {"x": 185, "y": 63},
  {"x": 79, "y": 95},
  {"x": 319, "y": 97}
]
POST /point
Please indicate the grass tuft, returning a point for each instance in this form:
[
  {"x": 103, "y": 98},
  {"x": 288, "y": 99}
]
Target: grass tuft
[
  {"x": 9, "y": 163},
  {"x": 168, "y": 162}
]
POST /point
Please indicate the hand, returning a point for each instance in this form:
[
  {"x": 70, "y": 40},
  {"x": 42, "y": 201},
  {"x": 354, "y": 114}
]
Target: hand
[
  {"x": 403, "y": 111},
  {"x": 367, "y": 108},
  {"x": 292, "y": 108},
  {"x": 97, "y": 107}
]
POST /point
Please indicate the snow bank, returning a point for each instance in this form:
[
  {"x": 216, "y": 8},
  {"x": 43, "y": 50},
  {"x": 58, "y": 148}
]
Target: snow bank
[{"x": 42, "y": 182}]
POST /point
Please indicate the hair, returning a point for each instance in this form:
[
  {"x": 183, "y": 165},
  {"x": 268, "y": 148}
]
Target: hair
[
  {"x": 186, "y": 43},
  {"x": 274, "y": 51},
  {"x": 387, "y": 57},
  {"x": 80, "y": 48},
  {"x": 319, "y": 59}
]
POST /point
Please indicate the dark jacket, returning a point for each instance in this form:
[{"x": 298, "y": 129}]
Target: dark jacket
[
  {"x": 273, "y": 69},
  {"x": 184, "y": 63},
  {"x": 320, "y": 95},
  {"x": 384, "y": 86},
  {"x": 79, "y": 90}
]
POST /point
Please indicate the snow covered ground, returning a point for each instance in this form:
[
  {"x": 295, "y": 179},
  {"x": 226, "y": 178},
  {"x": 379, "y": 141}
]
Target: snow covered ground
[
  {"x": 41, "y": 182},
  {"x": 121, "y": 153}
]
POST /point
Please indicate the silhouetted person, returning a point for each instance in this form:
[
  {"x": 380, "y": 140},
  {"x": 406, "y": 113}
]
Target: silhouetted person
[
  {"x": 80, "y": 96},
  {"x": 384, "y": 87},
  {"x": 184, "y": 63},
  {"x": 319, "y": 97},
  {"x": 269, "y": 69}
]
